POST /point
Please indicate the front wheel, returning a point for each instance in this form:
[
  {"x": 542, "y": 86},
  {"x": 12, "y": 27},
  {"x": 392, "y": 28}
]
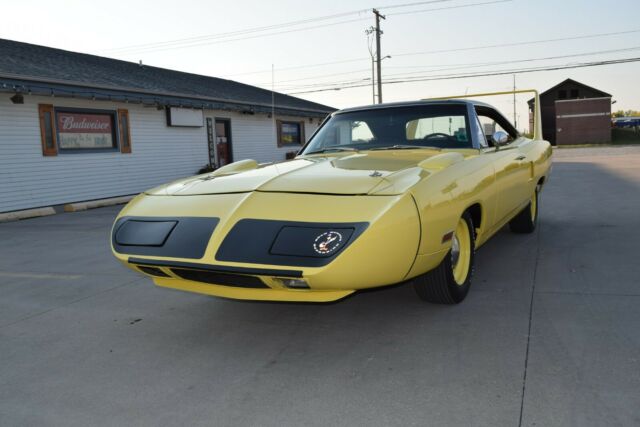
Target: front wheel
[
  {"x": 527, "y": 219},
  {"x": 449, "y": 282}
]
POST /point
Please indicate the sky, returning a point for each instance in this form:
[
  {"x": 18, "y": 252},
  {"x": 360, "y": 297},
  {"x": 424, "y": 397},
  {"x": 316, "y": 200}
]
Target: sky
[{"x": 438, "y": 38}]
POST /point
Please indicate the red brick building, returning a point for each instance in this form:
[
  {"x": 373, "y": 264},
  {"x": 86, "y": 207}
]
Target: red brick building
[{"x": 574, "y": 113}]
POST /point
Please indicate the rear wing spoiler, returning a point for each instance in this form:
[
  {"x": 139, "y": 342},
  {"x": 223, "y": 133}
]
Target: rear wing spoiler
[{"x": 537, "y": 116}]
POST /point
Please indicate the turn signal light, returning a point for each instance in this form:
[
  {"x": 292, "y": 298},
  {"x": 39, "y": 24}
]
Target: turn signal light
[{"x": 294, "y": 283}]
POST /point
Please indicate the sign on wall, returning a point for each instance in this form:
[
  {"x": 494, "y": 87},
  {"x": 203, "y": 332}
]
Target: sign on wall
[
  {"x": 79, "y": 130},
  {"x": 210, "y": 142},
  {"x": 184, "y": 117}
]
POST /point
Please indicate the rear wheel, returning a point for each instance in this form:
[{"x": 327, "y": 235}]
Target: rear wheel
[
  {"x": 526, "y": 221},
  {"x": 449, "y": 282}
]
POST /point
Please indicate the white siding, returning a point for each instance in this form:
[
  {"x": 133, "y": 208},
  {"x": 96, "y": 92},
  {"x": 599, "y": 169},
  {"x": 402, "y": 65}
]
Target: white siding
[
  {"x": 253, "y": 136},
  {"x": 28, "y": 179},
  {"x": 159, "y": 154}
]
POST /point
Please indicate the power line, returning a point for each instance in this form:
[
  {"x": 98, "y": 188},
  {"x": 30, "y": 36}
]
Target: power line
[
  {"x": 167, "y": 43},
  {"x": 519, "y": 70},
  {"x": 417, "y": 3},
  {"x": 446, "y": 8},
  {"x": 264, "y": 31},
  {"x": 482, "y": 74},
  {"x": 449, "y": 67},
  {"x": 432, "y": 52},
  {"x": 227, "y": 40},
  {"x": 235, "y": 33},
  {"x": 465, "y": 66},
  {"x": 429, "y": 52},
  {"x": 476, "y": 65}
]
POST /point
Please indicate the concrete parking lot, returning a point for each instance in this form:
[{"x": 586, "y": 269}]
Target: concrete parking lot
[{"x": 548, "y": 336}]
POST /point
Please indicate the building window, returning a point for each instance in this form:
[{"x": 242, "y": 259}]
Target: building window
[
  {"x": 47, "y": 130},
  {"x": 125, "y": 133},
  {"x": 85, "y": 130},
  {"x": 290, "y": 133},
  {"x": 562, "y": 94},
  {"x": 574, "y": 93}
]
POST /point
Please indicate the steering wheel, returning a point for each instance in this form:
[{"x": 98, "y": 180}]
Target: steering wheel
[{"x": 437, "y": 134}]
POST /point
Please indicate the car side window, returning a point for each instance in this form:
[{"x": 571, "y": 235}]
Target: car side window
[{"x": 491, "y": 121}]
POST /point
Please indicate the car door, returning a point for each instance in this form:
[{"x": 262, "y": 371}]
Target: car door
[{"x": 511, "y": 164}]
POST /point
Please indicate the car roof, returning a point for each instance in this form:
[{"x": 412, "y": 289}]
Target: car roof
[{"x": 415, "y": 104}]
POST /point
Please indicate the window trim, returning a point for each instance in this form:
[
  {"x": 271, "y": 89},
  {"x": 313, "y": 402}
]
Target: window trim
[
  {"x": 300, "y": 123},
  {"x": 114, "y": 130},
  {"x": 42, "y": 110},
  {"x": 124, "y": 149}
]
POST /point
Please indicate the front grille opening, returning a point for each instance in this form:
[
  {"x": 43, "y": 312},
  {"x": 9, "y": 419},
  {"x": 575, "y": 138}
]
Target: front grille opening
[
  {"x": 154, "y": 271},
  {"x": 216, "y": 278}
]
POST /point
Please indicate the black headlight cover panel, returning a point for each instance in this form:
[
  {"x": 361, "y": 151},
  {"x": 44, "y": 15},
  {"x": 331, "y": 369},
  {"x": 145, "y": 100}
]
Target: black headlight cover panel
[
  {"x": 175, "y": 237},
  {"x": 291, "y": 243},
  {"x": 144, "y": 233}
]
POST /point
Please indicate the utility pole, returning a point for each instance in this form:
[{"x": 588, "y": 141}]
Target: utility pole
[
  {"x": 368, "y": 32},
  {"x": 373, "y": 82},
  {"x": 515, "y": 118},
  {"x": 379, "y": 53},
  {"x": 273, "y": 104}
]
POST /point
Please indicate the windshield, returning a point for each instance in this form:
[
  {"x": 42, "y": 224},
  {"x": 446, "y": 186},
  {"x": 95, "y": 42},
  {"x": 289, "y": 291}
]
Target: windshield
[{"x": 441, "y": 126}]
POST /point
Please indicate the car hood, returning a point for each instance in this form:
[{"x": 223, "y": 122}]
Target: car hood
[{"x": 351, "y": 174}]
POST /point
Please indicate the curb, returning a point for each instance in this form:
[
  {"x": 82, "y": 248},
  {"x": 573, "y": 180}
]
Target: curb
[
  {"x": 83, "y": 206},
  {"x": 28, "y": 213}
]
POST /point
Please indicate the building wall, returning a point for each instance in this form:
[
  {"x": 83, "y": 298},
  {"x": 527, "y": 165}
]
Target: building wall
[
  {"x": 547, "y": 103},
  {"x": 567, "y": 90},
  {"x": 254, "y": 136},
  {"x": 159, "y": 154},
  {"x": 583, "y": 121}
]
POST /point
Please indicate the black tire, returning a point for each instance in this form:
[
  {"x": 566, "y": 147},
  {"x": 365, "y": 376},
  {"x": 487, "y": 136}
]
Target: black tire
[
  {"x": 527, "y": 219},
  {"x": 439, "y": 285}
]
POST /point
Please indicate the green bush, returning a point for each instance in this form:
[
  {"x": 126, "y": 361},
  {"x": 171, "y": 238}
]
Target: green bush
[{"x": 625, "y": 135}]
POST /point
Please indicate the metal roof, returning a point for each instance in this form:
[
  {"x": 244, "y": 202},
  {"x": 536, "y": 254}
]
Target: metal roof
[
  {"x": 571, "y": 81},
  {"x": 30, "y": 68}
]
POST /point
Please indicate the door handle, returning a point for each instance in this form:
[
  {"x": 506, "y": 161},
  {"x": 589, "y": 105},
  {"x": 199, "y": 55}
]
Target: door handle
[{"x": 521, "y": 157}]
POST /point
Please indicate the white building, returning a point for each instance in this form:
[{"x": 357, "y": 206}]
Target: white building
[{"x": 77, "y": 127}]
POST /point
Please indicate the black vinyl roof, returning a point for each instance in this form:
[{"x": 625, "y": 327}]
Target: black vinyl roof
[
  {"x": 423, "y": 102},
  {"x": 27, "y": 67}
]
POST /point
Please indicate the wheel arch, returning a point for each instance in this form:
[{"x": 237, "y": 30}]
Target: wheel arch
[{"x": 477, "y": 212}]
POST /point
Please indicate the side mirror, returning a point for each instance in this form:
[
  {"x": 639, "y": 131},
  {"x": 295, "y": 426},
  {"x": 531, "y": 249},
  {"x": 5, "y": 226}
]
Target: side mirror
[{"x": 500, "y": 138}]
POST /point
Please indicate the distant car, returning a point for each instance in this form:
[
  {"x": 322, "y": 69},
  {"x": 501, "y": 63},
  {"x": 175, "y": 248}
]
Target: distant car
[
  {"x": 379, "y": 195},
  {"x": 626, "y": 122}
]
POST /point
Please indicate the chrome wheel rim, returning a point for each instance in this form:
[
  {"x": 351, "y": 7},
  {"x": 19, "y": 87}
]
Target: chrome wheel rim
[{"x": 455, "y": 252}]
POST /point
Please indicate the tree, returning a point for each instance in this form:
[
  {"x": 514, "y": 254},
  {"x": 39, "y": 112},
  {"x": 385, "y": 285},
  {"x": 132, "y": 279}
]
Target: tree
[{"x": 626, "y": 113}]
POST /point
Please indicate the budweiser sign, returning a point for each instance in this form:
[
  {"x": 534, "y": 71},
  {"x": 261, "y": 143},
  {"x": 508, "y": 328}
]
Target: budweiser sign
[{"x": 85, "y": 130}]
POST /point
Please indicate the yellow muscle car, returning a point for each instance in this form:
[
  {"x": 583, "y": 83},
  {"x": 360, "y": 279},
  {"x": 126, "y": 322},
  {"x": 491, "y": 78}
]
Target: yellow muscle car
[{"x": 380, "y": 195}]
